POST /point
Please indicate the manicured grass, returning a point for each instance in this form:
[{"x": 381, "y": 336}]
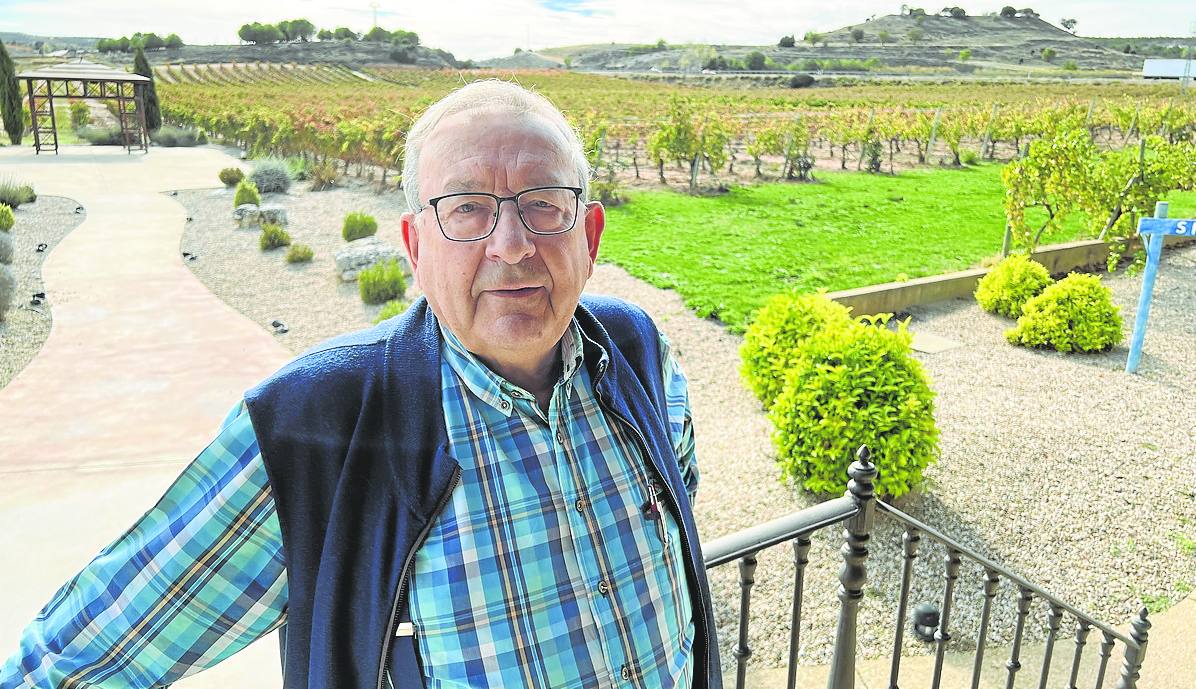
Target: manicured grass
[{"x": 727, "y": 254}]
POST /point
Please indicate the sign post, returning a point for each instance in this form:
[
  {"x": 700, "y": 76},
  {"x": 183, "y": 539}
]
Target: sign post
[{"x": 1152, "y": 231}]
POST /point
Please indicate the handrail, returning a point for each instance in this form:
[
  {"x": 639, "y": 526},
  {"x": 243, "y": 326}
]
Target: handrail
[
  {"x": 761, "y": 536},
  {"x": 989, "y": 564}
]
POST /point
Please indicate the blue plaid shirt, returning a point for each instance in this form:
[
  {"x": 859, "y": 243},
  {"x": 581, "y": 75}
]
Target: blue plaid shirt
[{"x": 551, "y": 566}]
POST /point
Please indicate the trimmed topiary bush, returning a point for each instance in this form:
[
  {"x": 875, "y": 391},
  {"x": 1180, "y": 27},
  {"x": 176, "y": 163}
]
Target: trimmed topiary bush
[
  {"x": 300, "y": 253},
  {"x": 391, "y": 309},
  {"x": 246, "y": 193},
  {"x": 358, "y": 226},
  {"x": 1076, "y": 314},
  {"x": 1010, "y": 284},
  {"x": 6, "y": 218},
  {"x": 851, "y": 386},
  {"x": 273, "y": 237},
  {"x": 231, "y": 176},
  {"x": 770, "y": 343},
  {"x": 381, "y": 282},
  {"x": 271, "y": 176}
]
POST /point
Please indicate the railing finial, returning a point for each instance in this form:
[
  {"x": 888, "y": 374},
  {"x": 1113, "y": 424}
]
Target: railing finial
[{"x": 1134, "y": 655}]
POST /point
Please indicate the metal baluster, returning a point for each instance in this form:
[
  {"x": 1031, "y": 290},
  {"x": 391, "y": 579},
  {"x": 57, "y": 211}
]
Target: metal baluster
[
  {"x": 853, "y": 575},
  {"x": 909, "y": 541},
  {"x": 1106, "y": 649},
  {"x": 1023, "y": 609},
  {"x": 1082, "y": 629},
  {"x": 747, "y": 577},
  {"x": 801, "y": 549},
  {"x": 991, "y": 579},
  {"x": 1134, "y": 655},
  {"x": 1054, "y": 618},
  {"x": 942, "y": 636}
]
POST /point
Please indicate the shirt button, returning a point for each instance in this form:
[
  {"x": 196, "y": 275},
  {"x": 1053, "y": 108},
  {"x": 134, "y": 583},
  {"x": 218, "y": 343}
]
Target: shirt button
[
  {"x": 505, "y": 405},
  {"x": 581, "y": 504},
  {"x": 560, "y": 437},
  {"x": 625, "y": 673},
  {"x": 603, "y": 587}
]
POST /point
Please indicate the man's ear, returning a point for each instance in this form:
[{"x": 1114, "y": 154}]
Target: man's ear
[
  {"x": 410, "y": 240},
  {"x": 595, "y": 223}
]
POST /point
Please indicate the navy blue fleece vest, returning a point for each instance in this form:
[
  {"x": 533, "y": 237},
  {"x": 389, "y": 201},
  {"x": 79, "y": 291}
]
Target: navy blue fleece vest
[{"x": 352, "y": 436}]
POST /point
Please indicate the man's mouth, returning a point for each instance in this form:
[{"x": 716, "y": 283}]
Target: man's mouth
[{"x": 516, "y": 292}]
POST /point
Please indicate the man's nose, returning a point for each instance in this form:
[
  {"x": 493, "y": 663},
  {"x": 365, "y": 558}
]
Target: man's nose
[{"x": 510, "y": 242}]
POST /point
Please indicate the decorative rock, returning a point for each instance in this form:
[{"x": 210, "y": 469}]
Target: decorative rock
[
  {"x": 273, "y": 214},
  {"x": 6, "y": 247},
  {"x": 8, "y": 287},
  {"x": 246, "y": 215},
  {"x": 365, "y": 252}
]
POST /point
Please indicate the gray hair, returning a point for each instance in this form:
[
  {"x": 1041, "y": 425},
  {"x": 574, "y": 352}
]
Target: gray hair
[{"x": 481, "y": 95}]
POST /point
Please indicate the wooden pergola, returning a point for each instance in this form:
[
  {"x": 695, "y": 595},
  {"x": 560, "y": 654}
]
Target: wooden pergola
[{"x": 86, "y": 80}]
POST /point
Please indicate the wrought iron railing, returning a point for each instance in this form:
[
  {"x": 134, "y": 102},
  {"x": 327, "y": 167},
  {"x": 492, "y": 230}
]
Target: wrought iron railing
[{"x": 856, "y": 510}]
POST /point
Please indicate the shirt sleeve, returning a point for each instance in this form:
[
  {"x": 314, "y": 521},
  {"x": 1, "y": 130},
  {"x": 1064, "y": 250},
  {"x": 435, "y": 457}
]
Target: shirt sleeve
[
  {"x": 196, "y": 579},
  {"x": 676, "y": 391}
]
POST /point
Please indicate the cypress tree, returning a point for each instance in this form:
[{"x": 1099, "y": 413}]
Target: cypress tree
[
  {"x": 10, "y": 98},
  {"x": 153, "y": 113}
]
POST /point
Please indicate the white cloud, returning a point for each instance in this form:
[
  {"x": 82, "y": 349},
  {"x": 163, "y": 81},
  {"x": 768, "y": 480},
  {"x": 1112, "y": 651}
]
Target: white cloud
[{"x": 488, "y": 28}]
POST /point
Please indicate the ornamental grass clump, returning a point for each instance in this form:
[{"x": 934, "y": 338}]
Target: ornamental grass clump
[
  {"x": 300, "y": 253},
  {"x": 273, "y": 237},
  {"x": 391, "y": 309},
  {"x": 231, "y": 176},
  {"x": 271, "y": 176},
  {"x": 6, "y": 218},
  {"x": 381, "y": 282},
  {"x": 851, "y": 386},
  {"x": 771, "y": 341},
  {"x": 246, "y": 193},
  {"x": 358, "y": 226},
  {"x": 1076, "y": 314},
  {"x": 1010, "y": 284},
  {"x": 13, "y": 194}
]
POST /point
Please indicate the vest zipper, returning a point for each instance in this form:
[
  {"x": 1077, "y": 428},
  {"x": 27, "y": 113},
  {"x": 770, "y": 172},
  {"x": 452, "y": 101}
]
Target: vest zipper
[
  {"x": 698, "y": 607},
  {"x": 404, "y": 574}
]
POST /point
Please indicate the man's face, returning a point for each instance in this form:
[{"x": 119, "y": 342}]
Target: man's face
[{"x": 508, "y": 297}]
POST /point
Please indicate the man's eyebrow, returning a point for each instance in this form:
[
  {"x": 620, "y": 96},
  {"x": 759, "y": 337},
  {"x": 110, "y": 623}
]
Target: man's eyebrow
[{"x": 457, "y": 185}]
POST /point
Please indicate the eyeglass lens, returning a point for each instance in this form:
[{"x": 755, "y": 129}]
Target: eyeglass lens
[{"x": 473, "y": 216}]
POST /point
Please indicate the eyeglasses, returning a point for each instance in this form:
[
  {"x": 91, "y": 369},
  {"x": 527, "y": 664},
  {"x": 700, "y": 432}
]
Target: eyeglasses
[{"x": 471, "y": 216}]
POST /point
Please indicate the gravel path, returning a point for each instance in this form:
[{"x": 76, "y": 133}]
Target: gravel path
[
  {"x": 1069, "y": 471},
  {"x": 25, "y": 327}
]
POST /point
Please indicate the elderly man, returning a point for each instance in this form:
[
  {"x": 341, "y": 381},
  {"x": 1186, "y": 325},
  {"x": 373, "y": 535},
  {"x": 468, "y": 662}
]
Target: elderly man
[{"x": 490, "y": 490}]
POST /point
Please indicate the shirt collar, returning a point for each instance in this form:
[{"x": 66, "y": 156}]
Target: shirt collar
[{"x": 497, "y": 391}]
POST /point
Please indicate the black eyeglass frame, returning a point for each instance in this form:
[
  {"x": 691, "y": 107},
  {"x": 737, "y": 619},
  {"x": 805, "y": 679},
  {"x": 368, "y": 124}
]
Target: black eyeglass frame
[{"x": 498, "y": 209}]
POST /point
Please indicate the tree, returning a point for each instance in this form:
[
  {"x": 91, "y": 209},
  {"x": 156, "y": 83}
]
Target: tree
[
  {"x": 408, "y": 39},
  {"x": 284, "y": 27},
  {"x": 1048, "y": 54},
  {"x": 857, "y": 35},
  {"x": 259, "y": 33},
  {"x": 124, "y": 44},
  {"x": 377, "y": 35},
  {"x": 786, "y": 42},
  {"x": 755, "y": 61},
  {"x": 1027, "y": 12},
  {"x": 324, "y": 35},
  {"x": 813, "y": 38},
  {"x": 10, "y": 98},
  {"x": 915, "y": 34},
  {"x": 954, "y": 12},
  {"x": 885, "y": 37},
  {"x": 917, "y": 12},
  {"x": 1069, "y": 24},
  {"x": 152, "y": 41},
  {"x": 153, "y": 112},
  {"x": 173, "y": 42},
  {"x": 344, "y": 33},
  {"x": 302, "y": 30},
  {"x": 1008, "y": 12},
  {"x": 965, "y": 55}
]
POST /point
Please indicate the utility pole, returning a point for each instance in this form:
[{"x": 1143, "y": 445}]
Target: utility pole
[
  {"x": 374, "y": 6},
  {"x": 1183, "y": 83}
]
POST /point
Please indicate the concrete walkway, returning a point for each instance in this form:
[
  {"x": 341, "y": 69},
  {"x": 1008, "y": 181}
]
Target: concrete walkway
[{"x": 140, "y": 366}]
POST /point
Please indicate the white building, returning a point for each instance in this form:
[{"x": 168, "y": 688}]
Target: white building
[{"x": 1168, "y": 69}]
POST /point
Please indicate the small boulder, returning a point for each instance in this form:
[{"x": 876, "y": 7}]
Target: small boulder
[
  {"x": 273, "y": 214},
  {"x": 247, "y": 215},
  {"x": 6, "y": 247},
  {"x": 8, "y": 289},
  {"x": 365, "y": 252}
]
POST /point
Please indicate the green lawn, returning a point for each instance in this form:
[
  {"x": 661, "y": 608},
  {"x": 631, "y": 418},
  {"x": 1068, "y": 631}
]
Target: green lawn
[{"x": 727, "y": 254}]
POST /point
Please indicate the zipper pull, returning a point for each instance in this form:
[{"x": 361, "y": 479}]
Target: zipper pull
[{"x": 651, "y": 508}]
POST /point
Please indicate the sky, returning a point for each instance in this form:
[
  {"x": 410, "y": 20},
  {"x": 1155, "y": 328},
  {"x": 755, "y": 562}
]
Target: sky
[{"x": 479, "y": 29}]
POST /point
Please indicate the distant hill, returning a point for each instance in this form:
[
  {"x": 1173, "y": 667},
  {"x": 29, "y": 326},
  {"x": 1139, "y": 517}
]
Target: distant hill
[
  {"x": 25, "y": 40},
  {"x": 892, "y": 42}
]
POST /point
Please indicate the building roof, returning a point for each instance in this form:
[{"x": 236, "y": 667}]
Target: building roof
[{"x": 90, "y": 71}]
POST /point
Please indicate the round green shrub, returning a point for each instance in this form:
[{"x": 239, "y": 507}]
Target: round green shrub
[
  {"x": 770, "y": 342},
  {"x": 300, "y": 253},
  {"x": 1010, "y": 284},
  {"x": 358, "y": 226},
  {"x": 6, "y": 218},
  {"x": 851, "y": 386},
  {"x": 246, "y": 193},
  {"x": 271, "y": 176},
  {"x": 231, "y": 176},
  {"x": 391, "y": 309},
  {"x": 1076, "y": 314},
  {"x": 273, "y": 237},
  {"x": 381, "y": 282}
]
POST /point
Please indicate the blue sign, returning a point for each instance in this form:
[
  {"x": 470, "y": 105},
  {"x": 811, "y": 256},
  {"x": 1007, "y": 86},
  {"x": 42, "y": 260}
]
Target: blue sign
[{"x": 1153, "y": 231}]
